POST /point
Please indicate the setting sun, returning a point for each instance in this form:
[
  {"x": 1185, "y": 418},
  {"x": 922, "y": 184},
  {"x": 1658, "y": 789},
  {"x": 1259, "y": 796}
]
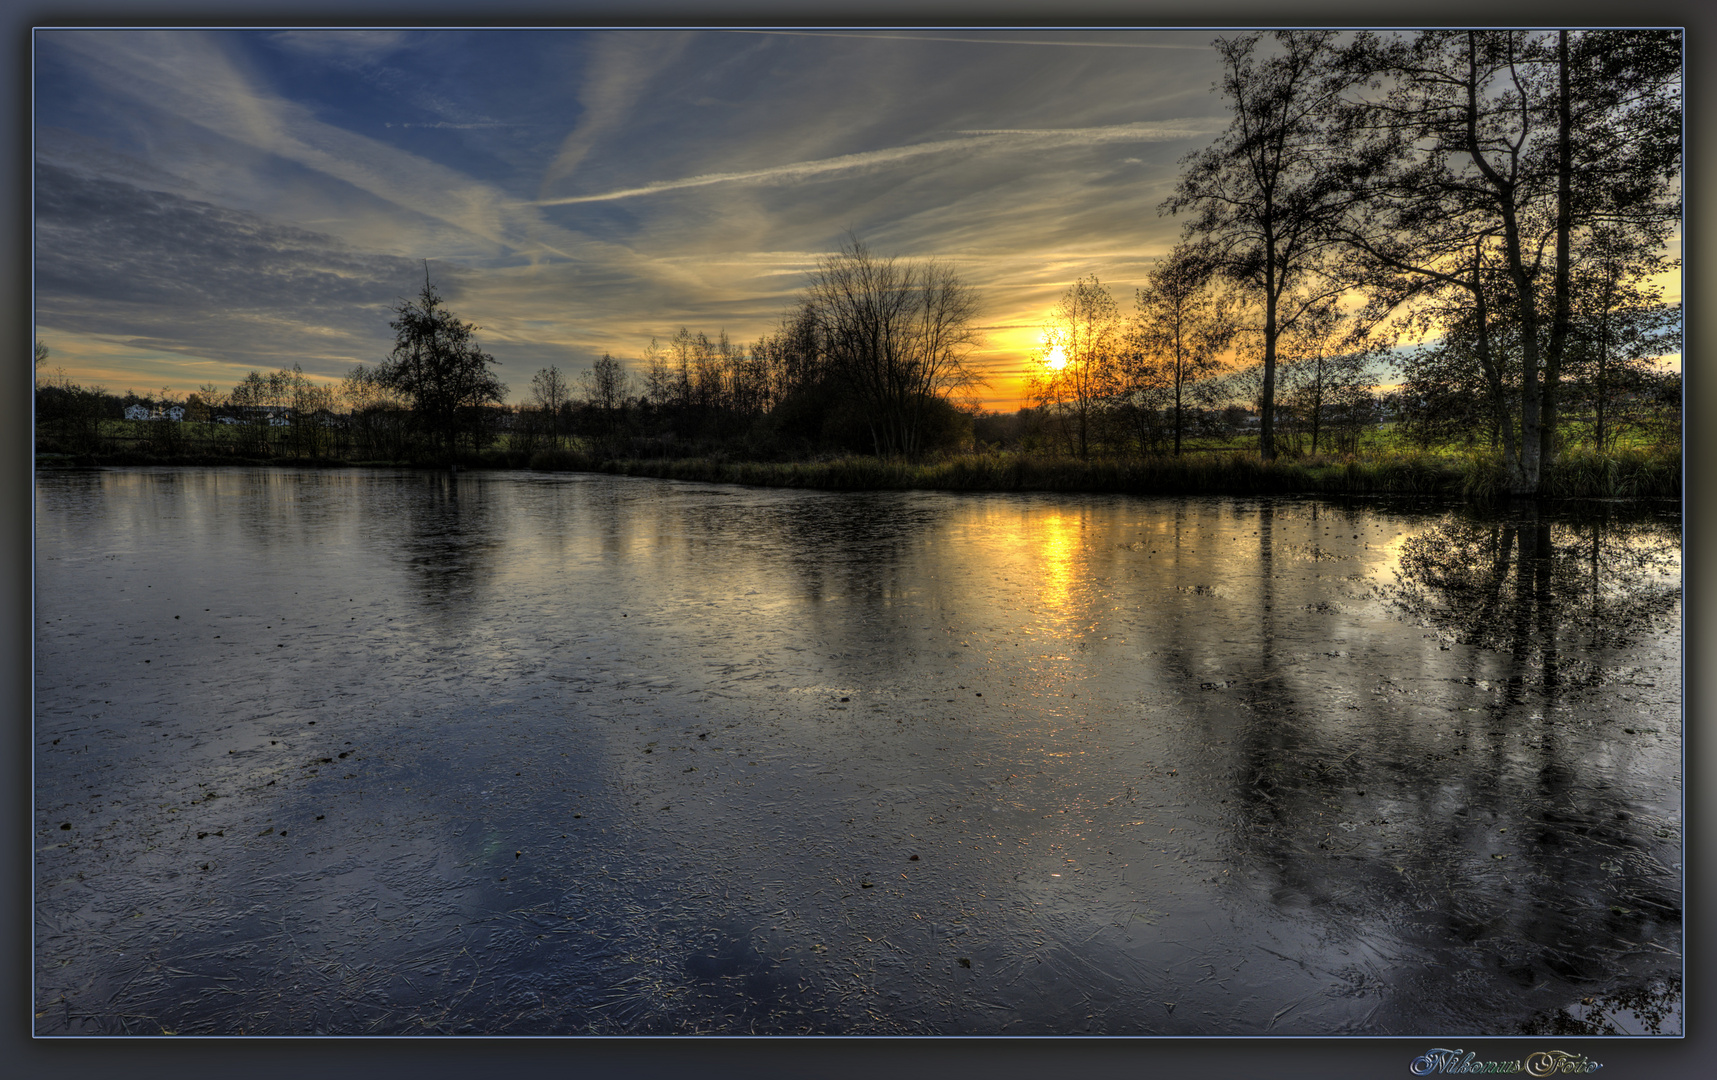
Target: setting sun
[{"x": 1056, "y": 360}]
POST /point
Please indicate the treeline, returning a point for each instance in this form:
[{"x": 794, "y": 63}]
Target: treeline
[
  {"x": 1510, "y": 193},
  {"x": 866, "y": 362},
  {"x": 1152, "y": 382},
  {"x": 1506, "y": 196},
  {"x": 870, "y": 360}
]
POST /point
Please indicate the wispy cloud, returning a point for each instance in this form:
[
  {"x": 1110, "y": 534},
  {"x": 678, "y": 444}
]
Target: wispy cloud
[
  {"x": 619, "y": 72},
  {"x": 871, "y": 159},
  {"x": 194, "y": 79},
  {"x": 345, "y": 46},
  {"x": 443, "y": 124},
  {"x": 251, "y": 199},
  {"x": 1059, "y": 42}
]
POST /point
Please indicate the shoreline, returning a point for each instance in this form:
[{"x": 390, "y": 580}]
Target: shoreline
[{"x": 1473, "y": 478}]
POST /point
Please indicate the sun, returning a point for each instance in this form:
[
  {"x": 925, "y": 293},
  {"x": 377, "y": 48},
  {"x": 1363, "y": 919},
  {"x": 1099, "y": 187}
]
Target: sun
[{"x": 1056, "y": 360}]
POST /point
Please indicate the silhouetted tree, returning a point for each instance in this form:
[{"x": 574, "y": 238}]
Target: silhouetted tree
[
  {"x": 377, "y": 421},
  {"x": 437, "y": 365},
  {"x": 1475, "y": 165},
  {"x": 1326, "y": 378},
  {"x": 607, "y": 385},
  {"x": 1080, "y": 361},
  {"x": 552, "y": 397},
  {"x": 1261, "y": 194},
  {"x": 895, "y": 333},
  {"x": 1619, "y": 325},
  {"x": 1182, "y": 325}
]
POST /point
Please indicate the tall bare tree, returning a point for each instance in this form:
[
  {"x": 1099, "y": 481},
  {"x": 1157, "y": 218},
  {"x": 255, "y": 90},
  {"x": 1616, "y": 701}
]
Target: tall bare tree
[
  {"x": 1080, "y": 358},
  {"x": 1261, "y": 193},
  {"x": 1182, "y": 325},
  {"x": 606, "y": 387},
  {"x": 895, "y": 333},
  {"x": 550, "y": 393},
  {"x": 1477, "y": 161}
]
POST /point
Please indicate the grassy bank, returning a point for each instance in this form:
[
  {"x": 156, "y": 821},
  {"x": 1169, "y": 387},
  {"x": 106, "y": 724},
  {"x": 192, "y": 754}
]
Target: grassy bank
[{"x": 1476, "y": 478}]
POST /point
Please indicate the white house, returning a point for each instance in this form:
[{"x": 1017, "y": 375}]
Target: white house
[{"x": 144, "y": 412}]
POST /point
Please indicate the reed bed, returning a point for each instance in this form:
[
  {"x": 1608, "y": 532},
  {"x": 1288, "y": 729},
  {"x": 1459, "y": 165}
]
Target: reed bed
[{"x": 1475, "y": 478}]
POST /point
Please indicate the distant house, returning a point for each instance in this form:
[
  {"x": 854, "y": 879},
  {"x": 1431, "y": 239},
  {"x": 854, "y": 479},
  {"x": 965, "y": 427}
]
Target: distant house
[
  {"x": 274, "y": 415},
  {"x": 156, "y": 412}
]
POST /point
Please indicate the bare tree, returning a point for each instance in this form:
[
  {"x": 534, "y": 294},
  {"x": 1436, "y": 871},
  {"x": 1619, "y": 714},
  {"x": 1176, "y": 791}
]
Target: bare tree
[
  {"x": 895, "y": 333},
  {"x": 376, "y": 417},
  {"x": 1327, "y": 379},
  {"x": 1620, "y": 325},
  {"x": 607, "y": 385},
  {"x": 1080, "y": 361},
  {"x": 552, "y": 395},
  {"x": 1183, "y": 324},
  {"x": 1262, "y": 195}
]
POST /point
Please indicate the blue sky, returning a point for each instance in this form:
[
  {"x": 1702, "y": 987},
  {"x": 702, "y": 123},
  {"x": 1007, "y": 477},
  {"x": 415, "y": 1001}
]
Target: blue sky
[{"x": 209, "y": 203}]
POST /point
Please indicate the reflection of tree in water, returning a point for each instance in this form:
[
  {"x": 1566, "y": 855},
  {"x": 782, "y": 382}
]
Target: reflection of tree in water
[
  {"x": 446, "y": 537},
  {"x": 1533, "y": 587},
  {"x": 1464, "y": 820},
  {"x": 1650, "y": 1009}
]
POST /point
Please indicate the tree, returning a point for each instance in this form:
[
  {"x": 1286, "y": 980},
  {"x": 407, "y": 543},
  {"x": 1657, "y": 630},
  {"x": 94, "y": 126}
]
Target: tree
[
  {"x": 1327, "y": 378},
  {"x": 551, "y": 394},
  {"x": 1180, "y": 329},
  {"x": 1081, "y": 360},
  {"x": 41, "y": 354},
  {"x": 377, "y": 419},
  {"x": 607, "y": 385},
  {"x": 1445, "y": 397},
  {"x": 1619, "y": 324},
  {"x": 1261, "y": 194},
  {"x": 437, "y": 365},
  {"x": 70, "y": 412},
  {"x": 1475, "y": 165},
  {"x": 895, "y": 333}
]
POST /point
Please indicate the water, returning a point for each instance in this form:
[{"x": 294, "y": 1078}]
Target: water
[{"x": 390, "y": 752}]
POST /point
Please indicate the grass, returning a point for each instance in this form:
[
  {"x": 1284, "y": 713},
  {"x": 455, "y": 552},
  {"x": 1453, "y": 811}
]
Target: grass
[
  {"x": 1196, "y": 474},
  {"x": 1471, "y": 477},
  {"x": 1387, "y": 467}
]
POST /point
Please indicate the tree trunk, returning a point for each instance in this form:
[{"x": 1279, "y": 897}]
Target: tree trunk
[
  {"x": 1267, "y": 396},
  {"x": 1564, "y": 229}
]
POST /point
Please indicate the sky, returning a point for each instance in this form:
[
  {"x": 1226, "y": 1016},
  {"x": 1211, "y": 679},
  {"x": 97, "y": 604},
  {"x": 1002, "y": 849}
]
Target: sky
[
  {"x": 209, "y": 203},
  {"x": 212, "y": 203}
]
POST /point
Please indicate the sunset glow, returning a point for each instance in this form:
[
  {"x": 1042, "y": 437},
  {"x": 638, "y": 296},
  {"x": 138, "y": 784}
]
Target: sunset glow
[{"x": 209, "y": 203}]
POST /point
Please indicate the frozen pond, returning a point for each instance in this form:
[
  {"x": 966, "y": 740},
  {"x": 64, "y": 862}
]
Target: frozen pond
[{"x": 394, "y": 752}]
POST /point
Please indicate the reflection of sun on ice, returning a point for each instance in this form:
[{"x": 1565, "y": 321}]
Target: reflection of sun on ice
[
  {"x": 1056, "y": 360},
  {"x": 1057, "y": 554}
]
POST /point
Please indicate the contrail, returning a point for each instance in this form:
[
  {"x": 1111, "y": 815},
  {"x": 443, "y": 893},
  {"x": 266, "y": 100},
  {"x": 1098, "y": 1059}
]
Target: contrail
[
  {"x": 969, "y": 40},
  {"x": 799, "y": 170}
]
